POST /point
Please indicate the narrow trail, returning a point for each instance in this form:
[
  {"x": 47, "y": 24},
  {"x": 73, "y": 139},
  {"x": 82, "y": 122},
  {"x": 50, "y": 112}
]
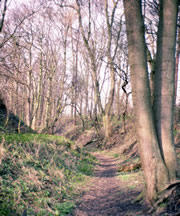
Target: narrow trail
[{"x": 107, "y": 195}]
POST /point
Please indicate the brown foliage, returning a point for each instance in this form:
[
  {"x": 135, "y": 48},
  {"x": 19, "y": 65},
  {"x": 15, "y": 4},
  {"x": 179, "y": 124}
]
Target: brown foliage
[{"x": 129, "y": 167}]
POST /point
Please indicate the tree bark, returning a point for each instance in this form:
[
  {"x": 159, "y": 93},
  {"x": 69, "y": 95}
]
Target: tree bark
[
  {"x": 165, "y": 84},
  {"x": 155, "y": 171},
  {"x": 108, "y": 106}
]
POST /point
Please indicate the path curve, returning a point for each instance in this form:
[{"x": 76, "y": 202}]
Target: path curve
[{"x": 105, "y": 196}]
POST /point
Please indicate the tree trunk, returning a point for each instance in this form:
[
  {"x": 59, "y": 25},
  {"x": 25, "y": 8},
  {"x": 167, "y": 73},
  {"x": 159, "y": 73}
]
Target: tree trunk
[
  {"x": 107, "y": 125},
  {"x": 108, "y": 106},
  {"x": 118, "y": 107},
  {"x": 155, "y": 171},
  {"x": 151, "y": 62},
  {"x": 164, "y": 84},
  {"x": 92, "y": 56}
]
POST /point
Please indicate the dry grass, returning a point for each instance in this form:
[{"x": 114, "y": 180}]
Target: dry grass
[{"x": 39, "y": 174}]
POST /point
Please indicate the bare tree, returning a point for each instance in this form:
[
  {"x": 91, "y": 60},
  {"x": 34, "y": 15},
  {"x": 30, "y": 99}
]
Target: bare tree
[{"x": 154, "y": 128}]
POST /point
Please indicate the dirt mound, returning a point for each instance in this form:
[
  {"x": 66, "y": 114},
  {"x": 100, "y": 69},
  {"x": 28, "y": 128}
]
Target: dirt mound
[
  {"x": 10, "y": 123},
  {"x": 87, "y": 137},
  {"x": 68, "y": 128},
  {"x": 124, "y": 142}
]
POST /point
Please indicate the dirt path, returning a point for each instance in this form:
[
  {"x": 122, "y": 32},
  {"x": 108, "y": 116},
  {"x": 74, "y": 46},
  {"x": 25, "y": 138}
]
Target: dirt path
[{"x": 107, "y": 196}]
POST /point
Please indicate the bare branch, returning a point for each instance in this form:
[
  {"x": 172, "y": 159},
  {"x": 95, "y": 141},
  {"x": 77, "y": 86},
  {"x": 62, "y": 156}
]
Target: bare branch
[{"x": 3, "y": 15}]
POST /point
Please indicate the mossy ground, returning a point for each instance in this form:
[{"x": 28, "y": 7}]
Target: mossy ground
[{"x": 38, "y": 173}]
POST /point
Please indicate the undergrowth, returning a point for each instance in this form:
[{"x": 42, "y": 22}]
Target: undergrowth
[{"x": 38, "y": 174}]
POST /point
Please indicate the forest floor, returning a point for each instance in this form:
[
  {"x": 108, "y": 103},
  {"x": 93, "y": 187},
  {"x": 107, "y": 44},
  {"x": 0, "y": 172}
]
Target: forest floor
[
  {"x": 42, "y": 174},
  {"x": 111, "y": 190},
  {"x": 111, "y": 193}
]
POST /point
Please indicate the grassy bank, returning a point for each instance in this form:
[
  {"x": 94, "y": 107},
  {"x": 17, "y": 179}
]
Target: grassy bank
[{"x": 38, "y": 174}]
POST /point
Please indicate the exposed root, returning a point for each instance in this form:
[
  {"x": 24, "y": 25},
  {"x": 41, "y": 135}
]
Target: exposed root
[
  {"x": 140, "y": 197},
  {"x": 168, "y": 201}
]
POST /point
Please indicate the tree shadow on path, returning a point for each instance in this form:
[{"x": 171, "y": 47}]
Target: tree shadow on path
[{"x": 105, "y": 196}]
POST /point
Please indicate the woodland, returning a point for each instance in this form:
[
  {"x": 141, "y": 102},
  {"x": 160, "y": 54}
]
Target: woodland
[{"x": 89, "y": 107}]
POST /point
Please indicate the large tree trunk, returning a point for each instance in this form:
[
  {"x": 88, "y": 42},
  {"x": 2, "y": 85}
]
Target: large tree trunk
[
  {"x": 164, "y": 83},
  {"x": 155, "y": 171}
]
